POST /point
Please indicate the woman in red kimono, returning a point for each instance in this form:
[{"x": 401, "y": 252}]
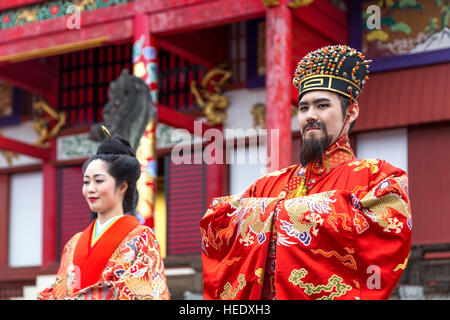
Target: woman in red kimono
[
  {"x": 115, "y": 257},
  {"x": 331, "y": 227}
]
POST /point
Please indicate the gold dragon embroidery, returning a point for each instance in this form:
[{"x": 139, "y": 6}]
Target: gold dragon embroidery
[
  {"x": 371, "y": 164},
  {"x": 260, "y": 274},
  {"x": 304, "y": 213},
  {"x": 253, "y": 222},
  {"x": 334, "y": 283},
  {"x": 402, "y": 266},
  {"x": 230, "y": 293},
  {"x": 382, "y": 208}
]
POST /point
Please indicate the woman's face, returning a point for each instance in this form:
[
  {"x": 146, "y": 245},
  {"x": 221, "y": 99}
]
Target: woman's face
[{"x": 100, "y": 191}]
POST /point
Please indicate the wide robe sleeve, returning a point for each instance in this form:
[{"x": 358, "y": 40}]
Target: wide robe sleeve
[
  {"x": 383, "y": 225},
  {"x": 235, "y": 236},
  {"x": 59, "y": 288}
]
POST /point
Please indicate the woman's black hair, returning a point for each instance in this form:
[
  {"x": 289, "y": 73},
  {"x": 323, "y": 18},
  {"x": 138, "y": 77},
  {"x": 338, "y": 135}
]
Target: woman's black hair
[{"x": 122, "y": 165}]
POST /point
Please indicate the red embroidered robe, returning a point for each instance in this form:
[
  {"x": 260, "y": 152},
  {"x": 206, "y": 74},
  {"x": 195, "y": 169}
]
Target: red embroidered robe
[
  {"x": 348, "y": 238},
  {"x": 124, "y": 264}
]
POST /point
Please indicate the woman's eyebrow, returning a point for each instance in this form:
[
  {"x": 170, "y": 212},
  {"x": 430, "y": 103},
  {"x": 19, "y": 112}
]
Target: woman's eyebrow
[{"x": 95, "y": 175}]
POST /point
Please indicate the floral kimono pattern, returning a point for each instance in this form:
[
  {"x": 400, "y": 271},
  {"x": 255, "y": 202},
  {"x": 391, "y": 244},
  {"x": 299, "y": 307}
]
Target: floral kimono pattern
[{"x": 134, "y": 271}]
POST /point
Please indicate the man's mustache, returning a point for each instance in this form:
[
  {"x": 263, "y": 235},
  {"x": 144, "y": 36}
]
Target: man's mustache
[{"x": 315, "y": 124}]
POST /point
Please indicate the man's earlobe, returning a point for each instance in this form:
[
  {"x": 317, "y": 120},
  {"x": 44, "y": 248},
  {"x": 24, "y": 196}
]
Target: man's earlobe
[{"x": 352, "y": 110}]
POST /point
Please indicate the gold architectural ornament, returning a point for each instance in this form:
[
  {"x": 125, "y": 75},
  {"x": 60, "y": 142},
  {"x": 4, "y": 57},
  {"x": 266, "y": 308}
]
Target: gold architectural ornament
[
  {"x": 294, "y": 111},
  {"x": 270, "y": 3},
  {"x": 44, "y": 115},
  {"x": 209, "y": 95},
  {"x": 54, "y": 50},
  {"x": 294, "y": 4},
  {"x": 6, "y": 105},
  {"x": 31, "y": 15},
  {"x": 27, "y": 15},
  {"x": 82, "y": 4},
  {"x": 261, "y": 59},
  {"x": 259, "y": 115},
  {"x": 6, "y": 110},
  {"x": 9, "y": 155}
]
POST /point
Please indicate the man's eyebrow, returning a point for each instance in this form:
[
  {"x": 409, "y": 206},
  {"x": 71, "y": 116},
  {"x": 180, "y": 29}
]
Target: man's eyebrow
[
  {"x": 321, "y": 100},
  {"x": 304, "y": 103}
]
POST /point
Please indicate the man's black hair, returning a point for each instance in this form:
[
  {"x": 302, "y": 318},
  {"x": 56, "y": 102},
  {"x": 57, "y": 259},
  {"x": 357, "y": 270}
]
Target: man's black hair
[{"x": 345, "y": 104}]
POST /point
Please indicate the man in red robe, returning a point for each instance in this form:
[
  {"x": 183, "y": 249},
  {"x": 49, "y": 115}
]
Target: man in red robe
[{"x": 331, "y": 227}]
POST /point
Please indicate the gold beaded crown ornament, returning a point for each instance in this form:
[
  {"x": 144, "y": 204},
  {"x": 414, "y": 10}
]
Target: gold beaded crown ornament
[{"x": 336, "y": 68}]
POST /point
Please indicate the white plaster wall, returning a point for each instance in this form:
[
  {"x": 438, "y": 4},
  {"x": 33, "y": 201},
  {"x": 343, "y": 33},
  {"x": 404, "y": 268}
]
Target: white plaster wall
[
  {"x": 25, "y": 229},
  {"x": 389, "y": 145},
  {"x": 246, "y": 164},
  {"x": 240, "y": 105}
]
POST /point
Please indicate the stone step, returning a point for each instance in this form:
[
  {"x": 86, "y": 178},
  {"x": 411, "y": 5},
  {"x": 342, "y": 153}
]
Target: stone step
[
  {"x": 30, "y": 292},
  {"x": 44, "y": 281}
]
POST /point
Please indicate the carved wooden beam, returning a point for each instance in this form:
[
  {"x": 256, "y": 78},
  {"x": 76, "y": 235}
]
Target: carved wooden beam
[
  {"x": 270, "y": 3},
  {"x": 29, "y": 75},
  {"x": 180, "y": 120},
  {"x": 24, "y": 148}
]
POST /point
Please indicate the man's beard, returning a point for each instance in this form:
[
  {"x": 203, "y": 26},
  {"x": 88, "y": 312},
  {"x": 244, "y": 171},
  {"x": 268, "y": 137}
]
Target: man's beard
[{"x": 313, "y": 148}]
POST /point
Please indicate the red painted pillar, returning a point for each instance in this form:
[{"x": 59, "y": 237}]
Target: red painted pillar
[
  {"x": 4, "y": 220},
  {"x": 215, "y": 164},
  {"x": 50, "y": 185},
  {"x": 50, "y": 212},
  {"x": 278, "y": 86}
]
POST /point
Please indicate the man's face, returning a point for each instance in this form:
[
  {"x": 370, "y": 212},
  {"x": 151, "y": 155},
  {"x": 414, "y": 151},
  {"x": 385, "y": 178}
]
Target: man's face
[
  {"x": 321, "y": 123},
  {"x": 317, "y": 109}
]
